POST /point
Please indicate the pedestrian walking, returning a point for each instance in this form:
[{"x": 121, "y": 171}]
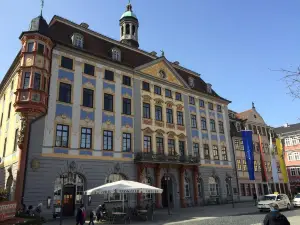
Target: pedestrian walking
[
  {"x": 80, "y": 215},
  {"x": 274, "y": 217},
  {"x": 255, "y": 198},
  {"x": 91, "y": 218}
]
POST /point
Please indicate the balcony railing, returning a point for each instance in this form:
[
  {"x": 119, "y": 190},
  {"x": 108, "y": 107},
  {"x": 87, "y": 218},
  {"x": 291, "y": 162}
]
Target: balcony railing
[{"x": 162, "y": 158}]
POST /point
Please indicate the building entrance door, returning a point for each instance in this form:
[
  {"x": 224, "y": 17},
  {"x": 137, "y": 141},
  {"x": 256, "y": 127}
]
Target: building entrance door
[
  {"x": 69, "y": 200},
  {"x": 167, "y": 187}
]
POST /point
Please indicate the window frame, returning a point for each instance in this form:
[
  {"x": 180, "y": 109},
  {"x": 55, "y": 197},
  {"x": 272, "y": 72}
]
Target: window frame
[
  {"x": 224, "y": 153},
  {"x": 25, "y": 79},
  {"x": 191, "y": 100},
  {"x": 146, "y": 110},
  {"x": 147, "y": 144},
  {"x": 128, "y": 141},
  {"x": 158, "y": 113},
  {"x": 169, "y": 116},
  {"x": 180, "y": 120},
  {"x": 178, "y": 96},
  {"x": 108, "y": 140},
  {"x": 37, "y": 81},
  {"x": 65, "y": 97},
  {"x": 171, "y": 147},
  {"x": 88, "y": 98},
  {"x": 86, "y": 70},
  {"x": 169, "y": 95},
  {"x": 201, "y": 103},
  {"x": 145, "y": 86},
  {"x": 88, "y": 133},
  {"x": 157, "y": 90},
  {"x": 206, "y": 151},
  {"x": 64, "y": 133},
  {"x": 212, "y": 124},
  {"x": 39, "y": 52},
  {"x": 126, "y": 80},
  {"x": 30, "y": 49},
  {"x": 193, "y": 121},
  {"x": 109, "y": 75},
  {"x": 160, "y": 145},
  {"x": 219, "y": 108},
  {"x": 126, "y": 106},
  {"x": 216, "y": 152},
  {"x": 221, "y": 127},
  {"x": 196, "y": 149},
  {"x": 64, "y": 61},
  {"x": 203, "y": 123},
  {"x": 108, "y": 102},
  {"x": 210, "y": 106}
]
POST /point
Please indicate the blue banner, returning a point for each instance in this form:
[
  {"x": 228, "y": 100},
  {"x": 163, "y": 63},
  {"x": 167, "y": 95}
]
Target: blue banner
[{"x": 248, "y": 148}]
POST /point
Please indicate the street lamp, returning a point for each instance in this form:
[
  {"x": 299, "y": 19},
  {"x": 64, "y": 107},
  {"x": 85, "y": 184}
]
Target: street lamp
[
  {"x": 229, "y": 178},
  {"x": 167, "y": 179}
]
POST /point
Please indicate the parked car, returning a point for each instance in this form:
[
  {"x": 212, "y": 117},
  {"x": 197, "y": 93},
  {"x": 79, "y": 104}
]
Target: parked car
[
  {"x": 282, "y": 200},
  {"x": 296, "y": 200}
]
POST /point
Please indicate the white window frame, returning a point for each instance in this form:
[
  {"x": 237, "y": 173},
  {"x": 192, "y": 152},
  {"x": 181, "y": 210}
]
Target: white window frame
[
  {"x": 77, "y": 40},
  {"x": 213, "y": 187},
  {"x": 297, "y": 156},
  {"x": 290, "y": 156},
  {"x": 293, "y": 171},
  {"x": 116, "y": 54}
]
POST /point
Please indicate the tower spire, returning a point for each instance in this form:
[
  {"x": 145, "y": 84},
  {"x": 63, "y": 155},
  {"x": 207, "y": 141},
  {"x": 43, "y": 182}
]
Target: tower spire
[{"x": 42, "y": 7}]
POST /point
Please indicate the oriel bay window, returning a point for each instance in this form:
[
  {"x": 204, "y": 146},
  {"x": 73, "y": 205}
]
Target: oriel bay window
[
  {"x": 221, "y": 127},
  {"x": 107, "y": 140},
  {"x": 126, "y": 147},
  {"x": 180, "y": 118},
  {"x": 181, "y": 148},
  {"x": 212, "y": 125},
  {"x": 171, "y": 147},
  {"x": 62, "y": 135},
  {"x": 88, "y": 98},
  {"x": 127, "y": 106},
  {"x": 37, "y": 81},
  {"x": 158, "y": 113},
  {"x": 147, "y": 144},
  {"x": 206, "y": 151},
  {"x": 224, "y": 153},
  {"x": 193, "y": 121},
  {"x": 86, "y": 138},
  {"x": 146, "y": 110},
  {"x": 160, "y": 145},
  {"x": 65, "y": 92},
  {"x": 215, "y": 152},
  {"x": 169, "y": 115},
  {"x": 108, "y": 102},
  {"x": 41, "y": 49},
  {"x": 26, "y": 80},
  {"x": 30, "y": 47}
]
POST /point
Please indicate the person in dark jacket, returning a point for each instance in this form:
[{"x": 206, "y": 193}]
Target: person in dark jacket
[
  {"x": 79, "y": 215},
  {"x": 91, "y": 218},
  {"x": 274, "y": 217},
  {"x": 255, "y": 198}
]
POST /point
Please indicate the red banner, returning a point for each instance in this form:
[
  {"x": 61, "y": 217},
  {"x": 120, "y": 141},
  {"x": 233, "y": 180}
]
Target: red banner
[
  {"x": 7, "y": 210},
  {"x": 262, "y": 161}
]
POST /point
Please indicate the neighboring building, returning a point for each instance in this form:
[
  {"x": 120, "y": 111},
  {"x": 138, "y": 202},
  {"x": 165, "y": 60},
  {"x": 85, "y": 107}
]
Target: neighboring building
[
  {"x": 251, "y": 120},
  {"x": 101, "y": 110},
  {"x": 290, "y": 136}
]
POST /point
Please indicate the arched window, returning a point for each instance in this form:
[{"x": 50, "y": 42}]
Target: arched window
[
  {"x": 213, "y": 186},
  {"x": 127, "y": 29},
  {"x": 133, "y": 30},
  {"x": 148, "y": 181},
  {"x": 77, "y": 40},
  {"x": 114, "y": 196},
  {"x": 116, "y": 54},
  {"x": 187, "y": 192}
]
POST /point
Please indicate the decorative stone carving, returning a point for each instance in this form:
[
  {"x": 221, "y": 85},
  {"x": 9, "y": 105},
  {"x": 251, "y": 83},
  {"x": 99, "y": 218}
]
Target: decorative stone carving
[
  {"x": 72, "y": 166},
  {"x": 117, "y": 168},
  {"x": 179, "y": 107},
  {"x": 35, "y": 164},
  {"x": 22, "y": 132},
  {"x": 191, "y": 82}
]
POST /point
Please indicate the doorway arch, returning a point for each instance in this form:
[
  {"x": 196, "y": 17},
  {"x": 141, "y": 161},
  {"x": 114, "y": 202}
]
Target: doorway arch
[{"x": 167, "y": 186}]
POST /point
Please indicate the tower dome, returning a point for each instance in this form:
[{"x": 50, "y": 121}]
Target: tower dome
[{"x": 129, "y": 27}]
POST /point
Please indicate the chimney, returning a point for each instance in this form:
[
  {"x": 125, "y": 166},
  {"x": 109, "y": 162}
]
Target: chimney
[
  {"x": 208, "y": 88},
  {"x": 154, "y": 53},
  {"x": 84, "y": 25},
  {"x": 176, "y": 63}
]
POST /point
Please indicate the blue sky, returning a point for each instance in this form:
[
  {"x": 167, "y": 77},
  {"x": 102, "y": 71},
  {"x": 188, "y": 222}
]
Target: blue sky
[{"x": 233, "y": 44}]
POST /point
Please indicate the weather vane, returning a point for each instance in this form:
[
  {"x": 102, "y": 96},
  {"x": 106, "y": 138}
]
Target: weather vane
[
  {"x": 42, "y": 6},
  {"x": 162, "y": 52}
]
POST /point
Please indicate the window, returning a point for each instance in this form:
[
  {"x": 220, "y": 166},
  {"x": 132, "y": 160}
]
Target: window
[
  {"x": 127, "y": 106},
  {"x": 126, "y": 142},
  {"x": 1, "y": 121},
  {"x": 242, "y": 145},
  {"x": 4, "y": 148},
  {"x": 116, "y": 54},
  {"x": 181, "y": 148},
  {"x": 259, "y": 130},
  {"x": 12, "y": 85},
  {"x": 237, "y": 144},
  {"x": 147, "y": 144},
  {"x": 9, "y": 109},
  {"x": 30, "y": 47},
  {"x": 107, "y": 140},
  {"x": 62, "y": 136},
  {"x": 255, "y": 166},
  {"x": 213, "y": 186},
  {"x": 65, "y": 92},
  {"x": 89, "y": 69},
  {"x": 26, "y": 80},
  {"x": 180, "y": 118},
  {"x": 108, "y": 102},
  {"x": 263, "y": 130},
  {"x": 293, "y": 170},
  {"x": 157, "y": 90},
  {"x": 169, "y": 115},
  {"x": 178, "y": 96},
  {"x": 146, "y": 86},
  {"x": 224, "y": 153},
  {"x": 158, "y": 113},
  {"x": 201, "y": 103},
  {"x": 146, "y": 110},
  {"x": 186, "y": 188},
  {"x": 238, "y": 127},
  {"x": 203, "y": 123},
  {"x": 254, "y": 129},
  {"x": 66, "y": 63},
  {"x": 109, "y": 75},
  {"x": 219, "y": 108},
  {"x": 160, "y": 145},
  {"x": 41, "y": 48},
  {"x": 86, "y": 137},
  {"x": 221, "y": 127},
  {"x": 290, "y": 156},
  {"x": 193, "y": 121},
  {"x": 77, "y": 40},
  {"x": 171, "y": 146},
  {"x": 191, "y": 100},
  {"x": 168, "y": 93},
  {"x": 238, "y": 164},
  {"x": 37, "y": 81},
  {"x": 297, "y": 157},
  {"x": 88, "y": 97},
  {"x": 210, "y": 106},
  {"x": 206, "y": 151},
  {"x": 244, "y": 165},
  {"x": 215, "y": 152},
  {"x": 249, "y": 126},
  {"x": 16, "y": 140},
  {"x": 126, "y": 80},
  {"x": 212, "y": 125},
  {"x": 127, "y": 29},
  {"x": 196, "y": 149}
]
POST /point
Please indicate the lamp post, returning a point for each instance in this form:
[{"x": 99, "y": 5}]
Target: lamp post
[
  {"x": 231, "y": 190},
  {"x": 167, "y": 179}
]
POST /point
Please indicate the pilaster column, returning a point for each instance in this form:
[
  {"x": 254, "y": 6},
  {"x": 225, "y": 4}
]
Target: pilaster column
[
  {"x": 195, "y": 183},
  {"x": 166, "y": 147},
  {"x": 139, "y": 168},
  {"x": 181, "y": 187},
  {"x": 157, "y": 184}
]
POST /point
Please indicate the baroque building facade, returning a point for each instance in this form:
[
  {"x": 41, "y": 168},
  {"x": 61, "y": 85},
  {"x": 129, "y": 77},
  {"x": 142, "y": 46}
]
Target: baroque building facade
[
  {"x": 88, "y": 110},
  {"x": 252, "y": 120}
]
